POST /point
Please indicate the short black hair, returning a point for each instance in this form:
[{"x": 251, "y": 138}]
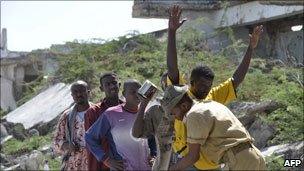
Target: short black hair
[
  {"x": 80, "y": 83},
  {"x": 130, "y": 82},
  {"x": 201, "y": 71},
  {"x": 106, "y": 74}
]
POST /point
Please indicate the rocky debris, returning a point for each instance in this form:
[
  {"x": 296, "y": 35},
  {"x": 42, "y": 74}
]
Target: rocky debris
[
  {"x": 19, "y": 159},
  {"x": 250, "y": 108},
  {"x": 247, "y": 113},
  {"x": 4, "y": 160},
  {"x": 265, "y": 107},
  {"x": 261, "y": 132},
  {"x": 33, "y": 162},
  {"x": 45, "y": 128},
  {"x": 33, "y": 132},
  {"x": 131, "y": 45},
  {"x": 247, "y": 120},
  {"x": 289, "y": 151},
  {"x": 52, "y": 102},
  {"x": 47, "y": 149}
]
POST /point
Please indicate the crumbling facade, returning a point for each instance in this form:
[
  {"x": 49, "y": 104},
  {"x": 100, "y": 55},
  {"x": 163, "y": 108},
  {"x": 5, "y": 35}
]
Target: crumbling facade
[
  {"x": 18, "y": 69},
  {"x": 278, "y": 17}
]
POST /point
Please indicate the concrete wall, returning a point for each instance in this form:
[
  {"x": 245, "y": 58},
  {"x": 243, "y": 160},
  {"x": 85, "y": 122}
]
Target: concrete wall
[
  {"x": 15, "y": 72},
  {"x": 18, "y": 68},
  {"x": 278, "y": 41},
  {"x": 7, "y": 92},
  {"x": 252, "y": 13}
]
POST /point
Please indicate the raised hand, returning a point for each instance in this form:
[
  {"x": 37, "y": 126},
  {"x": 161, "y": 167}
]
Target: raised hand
[
  {"x": 255, "y": 36},
  {"x": 174, "y": 18}
]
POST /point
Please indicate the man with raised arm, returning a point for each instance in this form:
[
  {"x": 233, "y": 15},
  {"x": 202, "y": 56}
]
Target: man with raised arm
[
  {"x": 153, "y": 121},
  {"x": 201, "y": 79}
]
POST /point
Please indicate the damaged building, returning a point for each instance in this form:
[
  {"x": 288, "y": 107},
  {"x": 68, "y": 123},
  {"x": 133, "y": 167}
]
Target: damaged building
[
  {"x": 21, "y": 68},
  {"x": 282, "y": 20}
]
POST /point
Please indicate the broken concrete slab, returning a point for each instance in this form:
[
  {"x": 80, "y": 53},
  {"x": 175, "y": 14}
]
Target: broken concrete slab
[
  {"x": 43, "y": 108},
  {"x": 15, "y": 167},
  {"x": 247, "y": 112},
  {"x": 291, "y": 150},
  {"x": 250, "y": 108}
]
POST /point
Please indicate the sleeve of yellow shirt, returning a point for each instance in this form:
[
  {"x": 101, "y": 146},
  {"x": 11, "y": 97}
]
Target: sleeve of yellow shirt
[
  {"x": 180, "y": 141},
  {"x": 223, "y": 93}
]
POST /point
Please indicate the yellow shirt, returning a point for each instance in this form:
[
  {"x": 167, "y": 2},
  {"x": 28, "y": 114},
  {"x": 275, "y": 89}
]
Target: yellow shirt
[
  {"x": 223, "y": 93},
  {"x": 215, "y": 128}
]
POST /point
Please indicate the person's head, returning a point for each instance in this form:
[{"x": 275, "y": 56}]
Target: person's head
[
  {"x": 201, "y": 81},
  {"x": 130, "y": 88},
  {"x": 163, "y": 81},
  {"x": 109, "y": 84},
  {"x": 176, "y": 101},
  {"x": 80, "y": 92}
]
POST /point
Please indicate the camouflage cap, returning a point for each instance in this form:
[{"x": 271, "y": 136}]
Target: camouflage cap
[{"x": 172, "y": 95}]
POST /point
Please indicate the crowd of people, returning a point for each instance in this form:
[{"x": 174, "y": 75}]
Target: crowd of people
[{"x": 188, "y": 128}]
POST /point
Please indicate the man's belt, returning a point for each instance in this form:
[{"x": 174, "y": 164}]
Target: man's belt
[
  {"x": 181, "y": 150},
  {"x": 240, "y": 147}
]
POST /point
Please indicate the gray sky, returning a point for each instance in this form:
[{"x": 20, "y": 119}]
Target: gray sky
[{"x": 38, "y": 24}]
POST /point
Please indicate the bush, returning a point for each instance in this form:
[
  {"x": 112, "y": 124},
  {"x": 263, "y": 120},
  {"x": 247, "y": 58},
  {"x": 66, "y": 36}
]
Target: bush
[
  {"x": 15, "y": 147},
  {"x": 275, "y": 163}
]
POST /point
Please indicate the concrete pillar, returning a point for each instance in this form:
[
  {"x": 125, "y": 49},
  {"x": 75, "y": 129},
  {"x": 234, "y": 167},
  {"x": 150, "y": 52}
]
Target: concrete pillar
[
  {"x": 8, "y": 101},
  {"x": 18, "y": 85},
  {"x": 4, "y": 39}
]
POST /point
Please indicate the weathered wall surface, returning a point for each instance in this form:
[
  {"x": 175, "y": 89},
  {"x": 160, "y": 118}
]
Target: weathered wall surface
[
  {"x": 278, "y": 40},
  {"x": 8, "y": 101},
  {"x": 18, "y": 68}
]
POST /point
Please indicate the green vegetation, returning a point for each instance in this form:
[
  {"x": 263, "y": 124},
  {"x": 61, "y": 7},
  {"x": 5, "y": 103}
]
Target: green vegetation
[
  {"x": 264, "y": 81},
  {"x": 144, "y": 57},
  {"x": 275, "y": 163},
  {"x": 15, "y": 147},
  {"x": 3, "y": 113},
  {"x": 54, "y": 164}
]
